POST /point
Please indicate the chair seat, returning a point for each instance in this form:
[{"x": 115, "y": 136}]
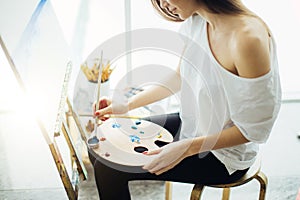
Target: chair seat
[
  {"x": 254, "y": 172},
  {"x": 251, "y": 173}
]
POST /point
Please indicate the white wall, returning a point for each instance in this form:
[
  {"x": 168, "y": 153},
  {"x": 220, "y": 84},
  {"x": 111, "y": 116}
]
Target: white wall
[
  {"x": 86, "y": 24},
  {"x": 283, "y": 18},
  {"x": 14, "y": 16}
]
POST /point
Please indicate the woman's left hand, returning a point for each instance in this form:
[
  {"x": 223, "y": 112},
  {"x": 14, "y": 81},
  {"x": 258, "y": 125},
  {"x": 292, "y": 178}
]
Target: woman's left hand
[{"x": 167, "y": 157}]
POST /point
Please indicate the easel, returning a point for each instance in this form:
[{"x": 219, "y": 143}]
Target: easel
[{"x": 79, "y": 172}]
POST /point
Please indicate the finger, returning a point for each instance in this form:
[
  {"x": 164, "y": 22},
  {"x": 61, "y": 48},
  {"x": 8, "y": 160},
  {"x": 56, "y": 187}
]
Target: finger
[
  {"x": 154, "y": 152},
  {"x": 159, "y": 172},
  {"x": 103, "y": 103},
  {"x": 154, "y": 162},
  {"x": 159, "y": 169},
  {"x": 150, "y": 165},
  {"x": 103, "y": 118},
  {"x": 167, "y": 168},
  {"x": 104, "y": 111},
  {"x": 155, "y": 169}
]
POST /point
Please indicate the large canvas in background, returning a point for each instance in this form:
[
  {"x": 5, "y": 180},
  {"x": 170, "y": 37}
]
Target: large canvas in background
[{"x": 40, "y": 61}]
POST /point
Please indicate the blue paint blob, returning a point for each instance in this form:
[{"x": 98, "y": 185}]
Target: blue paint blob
[
  {"x": 134, "y": 127},
  {"x": 138, "y": 122},
  {"x": 116, "y": 125},
  {"x": 93, "y": 140},
  {"x": 134, "y": 138}
]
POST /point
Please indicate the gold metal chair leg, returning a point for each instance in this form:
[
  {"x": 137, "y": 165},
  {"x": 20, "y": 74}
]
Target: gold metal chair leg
[
  {"x": 168, "y": 190},
  {"x": 197, "y": 191},
  {"x": 263, "y": 180},
  {"x": 226, "y": 194}
]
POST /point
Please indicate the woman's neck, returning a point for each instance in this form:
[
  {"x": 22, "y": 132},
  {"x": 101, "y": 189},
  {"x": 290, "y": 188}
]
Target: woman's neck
[{"x": 221, "y": 22}]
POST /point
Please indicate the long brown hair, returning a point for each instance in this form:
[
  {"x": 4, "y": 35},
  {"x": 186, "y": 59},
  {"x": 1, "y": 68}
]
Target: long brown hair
[
  {"x": 213, "y": 6},
  {"x": 234, "y": 7},
  {"x": 230, "y": 7}
]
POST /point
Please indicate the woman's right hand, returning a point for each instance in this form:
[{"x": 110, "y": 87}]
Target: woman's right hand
[{"x": 107, "y": 107}]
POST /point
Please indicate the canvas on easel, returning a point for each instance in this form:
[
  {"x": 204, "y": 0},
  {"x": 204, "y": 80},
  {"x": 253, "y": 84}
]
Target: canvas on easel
[
  {"x": 70, "y": 176},
  {"x": 40, "y": 62}
]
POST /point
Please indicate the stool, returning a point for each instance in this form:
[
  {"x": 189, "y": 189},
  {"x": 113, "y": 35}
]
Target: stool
[{"x": 253, "y": 173}]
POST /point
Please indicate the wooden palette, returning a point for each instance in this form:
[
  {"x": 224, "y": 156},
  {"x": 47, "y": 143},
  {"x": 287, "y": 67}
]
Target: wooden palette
[{"x": 122, "y": 140}]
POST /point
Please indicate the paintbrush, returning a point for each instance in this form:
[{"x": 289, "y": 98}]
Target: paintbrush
[
  {"x": 93, "y": 142},
  {"x": 122, "y": 116},
  {"x": 114, "y": 116}
]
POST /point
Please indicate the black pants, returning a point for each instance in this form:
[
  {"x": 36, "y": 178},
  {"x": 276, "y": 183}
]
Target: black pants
[{"x": 112, "y": 184}]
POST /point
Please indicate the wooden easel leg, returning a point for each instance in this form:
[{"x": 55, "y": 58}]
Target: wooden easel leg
[
  {"x": 77, "y": 122},
  {"x": 72, "y": 193},
  {"x": 80, "y": 167}
]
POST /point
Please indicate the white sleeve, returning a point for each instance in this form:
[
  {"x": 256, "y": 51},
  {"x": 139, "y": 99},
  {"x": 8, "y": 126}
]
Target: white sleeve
[{"x": 254, "y": 104}]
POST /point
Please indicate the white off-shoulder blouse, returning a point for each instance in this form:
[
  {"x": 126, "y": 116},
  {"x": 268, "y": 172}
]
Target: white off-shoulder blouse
[{"x": 213, "y": 99}]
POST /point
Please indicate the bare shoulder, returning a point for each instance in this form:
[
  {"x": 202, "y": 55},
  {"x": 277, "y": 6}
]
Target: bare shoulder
[{"x": 251, "y": 49}]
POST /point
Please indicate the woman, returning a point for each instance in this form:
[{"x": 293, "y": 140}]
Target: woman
[{"x": 230, "y": 98}]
